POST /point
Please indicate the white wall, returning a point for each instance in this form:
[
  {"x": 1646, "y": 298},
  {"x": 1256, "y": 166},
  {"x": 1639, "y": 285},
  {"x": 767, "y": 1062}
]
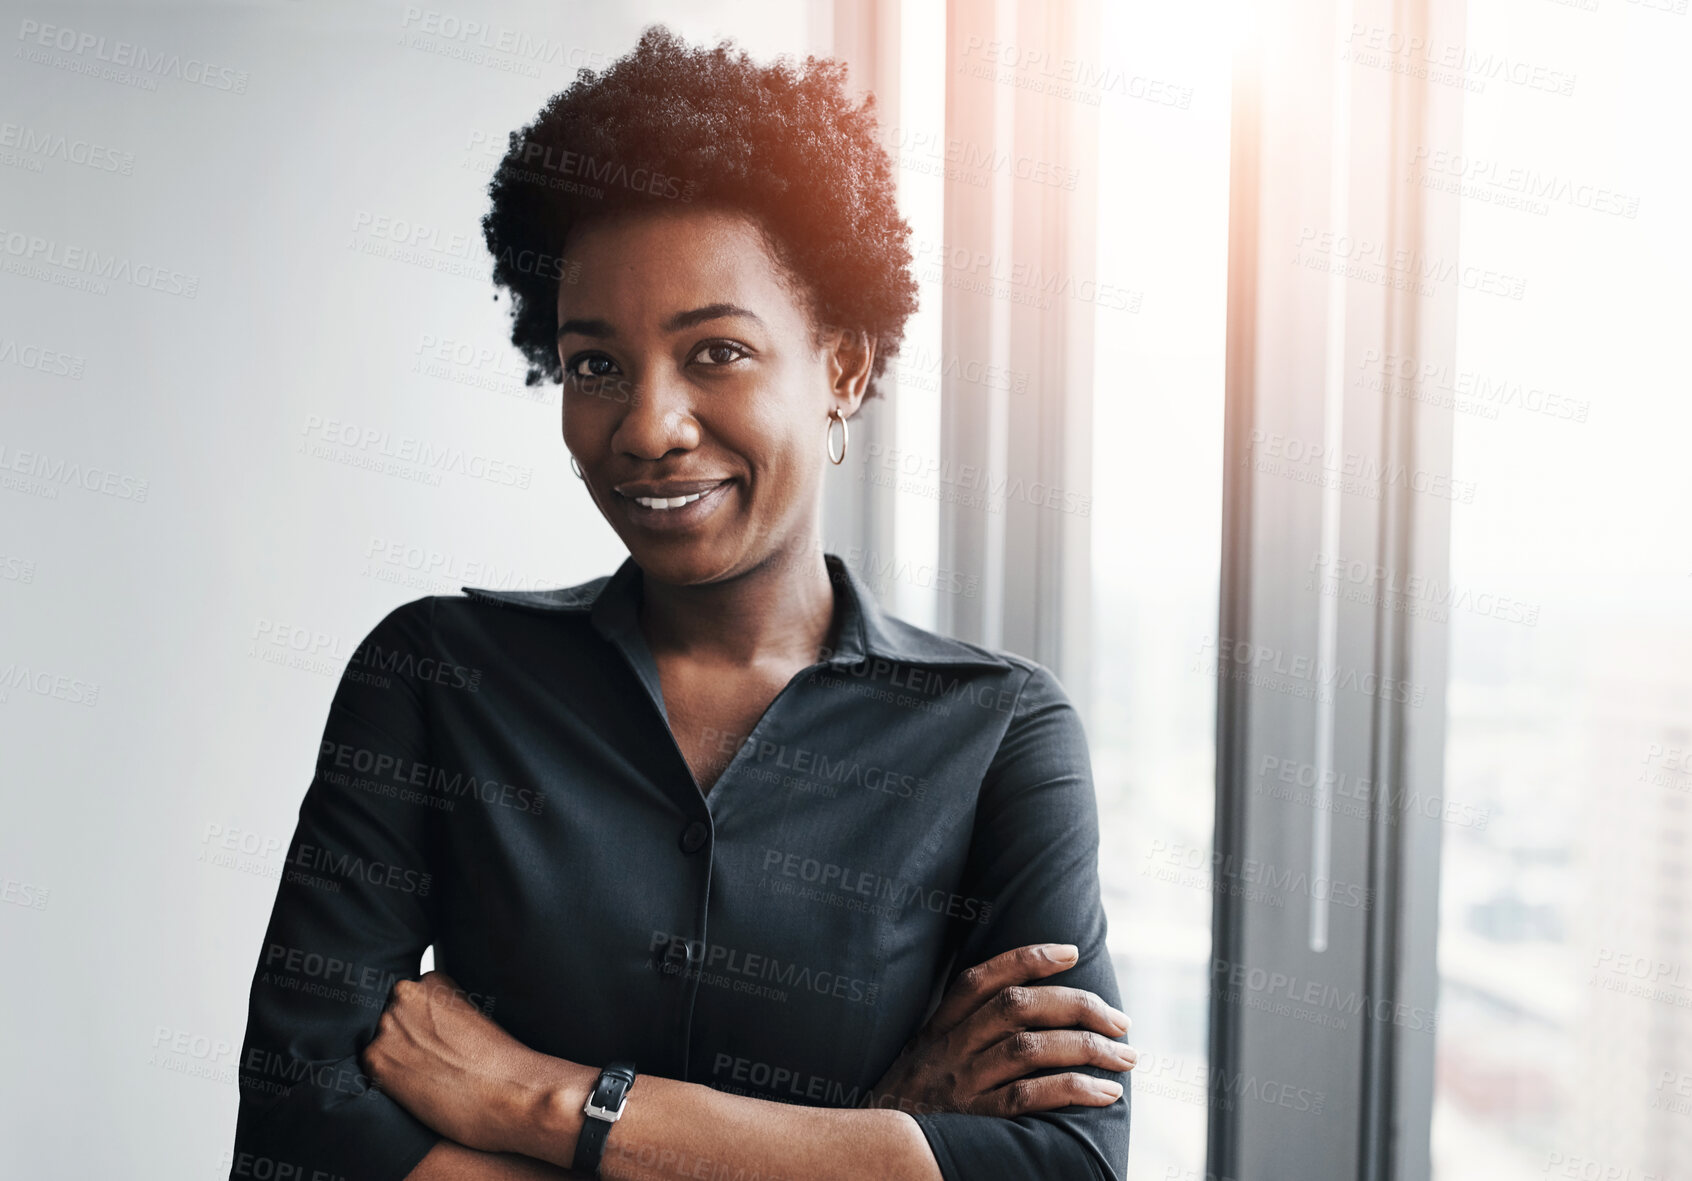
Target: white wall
[{"x": 127, "y": 949}]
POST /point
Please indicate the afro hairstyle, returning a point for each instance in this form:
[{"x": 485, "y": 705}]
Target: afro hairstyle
[{"x": 669, "y": 125}]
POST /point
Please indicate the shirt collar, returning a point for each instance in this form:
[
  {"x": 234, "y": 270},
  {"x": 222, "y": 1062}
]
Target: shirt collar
[{"x": 866, "y": 631}]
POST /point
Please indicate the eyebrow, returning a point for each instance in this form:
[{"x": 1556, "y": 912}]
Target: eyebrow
[{"x": 712, "y": 311}]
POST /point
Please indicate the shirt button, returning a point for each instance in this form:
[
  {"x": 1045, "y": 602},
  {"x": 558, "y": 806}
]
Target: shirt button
[
  {"x": 671, "y": 962},
  {"x": 693, "y": 837}
]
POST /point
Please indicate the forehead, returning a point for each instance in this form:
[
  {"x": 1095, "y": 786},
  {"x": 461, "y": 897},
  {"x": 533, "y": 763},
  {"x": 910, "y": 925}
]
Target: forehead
[{"x": 645, "y": 266}]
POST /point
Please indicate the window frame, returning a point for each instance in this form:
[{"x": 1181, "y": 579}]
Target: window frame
[{"x": 1322, "y": 145}]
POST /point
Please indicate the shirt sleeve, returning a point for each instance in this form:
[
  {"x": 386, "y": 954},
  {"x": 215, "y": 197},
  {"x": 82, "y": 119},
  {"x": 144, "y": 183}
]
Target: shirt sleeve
[
  {"x": 351, "y": 916},
  {"x": 1034, "y": 859}
]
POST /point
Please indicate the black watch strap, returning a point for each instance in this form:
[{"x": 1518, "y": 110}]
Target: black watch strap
[{"x": 603, "y": 1108}]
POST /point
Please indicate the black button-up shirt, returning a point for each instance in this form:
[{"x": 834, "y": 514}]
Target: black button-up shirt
[{"x": 498, "y": 779}]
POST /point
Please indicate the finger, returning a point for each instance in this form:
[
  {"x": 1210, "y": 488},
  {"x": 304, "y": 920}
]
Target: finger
[
  {"x": 1047, "y": 1093},
  {"x": 1045, "y": 1006},
  {"x": 1029, "y": 1050},
  {"x": 973, "y": 986},
  {"x": 403, "y": 992}
]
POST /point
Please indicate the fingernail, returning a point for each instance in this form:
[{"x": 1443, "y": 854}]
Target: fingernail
[
  {"x": 1108, "y": 1089},
  {"x": 1121, "y": 1019},
  {"x": 1062, "y": 953},
  {"x": 1127, "y": 1056}
]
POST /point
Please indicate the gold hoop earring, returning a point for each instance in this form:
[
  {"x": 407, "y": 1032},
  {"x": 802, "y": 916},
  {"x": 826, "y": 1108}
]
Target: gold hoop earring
[
  {"x": 577, "y": 468},
  {"x": 835, "y": 416}
]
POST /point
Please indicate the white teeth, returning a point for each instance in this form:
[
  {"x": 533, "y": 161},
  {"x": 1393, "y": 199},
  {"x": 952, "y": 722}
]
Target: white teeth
[{"x": 666, "y": 502}]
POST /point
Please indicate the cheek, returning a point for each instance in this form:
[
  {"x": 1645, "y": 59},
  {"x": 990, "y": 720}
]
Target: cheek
[
  {"x": 786, "y": 433},
  {"x": 587, "y": 420},
  {"x": 787, "y": 459},
  {"x": 794, "y": 486}
]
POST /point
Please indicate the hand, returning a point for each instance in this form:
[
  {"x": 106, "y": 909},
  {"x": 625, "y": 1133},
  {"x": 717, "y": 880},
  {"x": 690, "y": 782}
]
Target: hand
[
  {"x": 991, "y": 1030},
  {"x": 443, "y": 1060}
]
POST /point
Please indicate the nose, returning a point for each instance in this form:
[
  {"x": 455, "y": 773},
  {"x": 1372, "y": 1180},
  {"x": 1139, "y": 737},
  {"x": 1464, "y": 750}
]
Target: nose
[{"x": 659, "y": 418}]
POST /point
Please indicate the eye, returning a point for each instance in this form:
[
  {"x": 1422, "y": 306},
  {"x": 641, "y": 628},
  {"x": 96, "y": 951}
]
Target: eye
[
  {"x": 720, "y": 353},
  {"x": 588, "y": 366}
]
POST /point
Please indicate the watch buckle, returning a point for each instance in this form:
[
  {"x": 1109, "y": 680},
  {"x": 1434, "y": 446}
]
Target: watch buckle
[{"x": 608, "y": 1114}]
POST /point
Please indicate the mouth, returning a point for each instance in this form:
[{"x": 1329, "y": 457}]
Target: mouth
[
  {"x": 666, "y": 502},
  {"x": 672, "y": 504}
]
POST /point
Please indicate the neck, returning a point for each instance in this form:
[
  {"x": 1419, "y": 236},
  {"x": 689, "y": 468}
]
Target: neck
[{"x": 781, "y": 609}]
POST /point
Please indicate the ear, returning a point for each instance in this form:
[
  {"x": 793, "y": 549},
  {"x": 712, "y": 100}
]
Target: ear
[{"x": 851, "y": 357}]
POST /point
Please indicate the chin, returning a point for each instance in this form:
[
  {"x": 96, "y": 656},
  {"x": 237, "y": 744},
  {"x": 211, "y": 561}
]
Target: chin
[{"x": 679, "y": 561}]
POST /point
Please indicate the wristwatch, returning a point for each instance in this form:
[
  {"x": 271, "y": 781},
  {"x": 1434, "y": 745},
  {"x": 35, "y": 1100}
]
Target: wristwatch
[{"x": 604, "y": 1107}]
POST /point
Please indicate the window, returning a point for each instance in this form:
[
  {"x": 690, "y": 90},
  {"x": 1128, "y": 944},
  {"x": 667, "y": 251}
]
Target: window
[
  {"x": 1157, "y": 485},
  {"x": 1565, "y": 959}
]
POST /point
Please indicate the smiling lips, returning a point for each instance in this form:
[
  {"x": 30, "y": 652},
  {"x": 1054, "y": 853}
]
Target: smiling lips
[
  {"x": 665, "y": 501},
  {"x": 662, "y": 496}
]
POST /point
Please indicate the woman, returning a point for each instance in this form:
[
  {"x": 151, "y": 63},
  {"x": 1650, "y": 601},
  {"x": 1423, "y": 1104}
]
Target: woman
[{"x": 714, "y": 823}]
